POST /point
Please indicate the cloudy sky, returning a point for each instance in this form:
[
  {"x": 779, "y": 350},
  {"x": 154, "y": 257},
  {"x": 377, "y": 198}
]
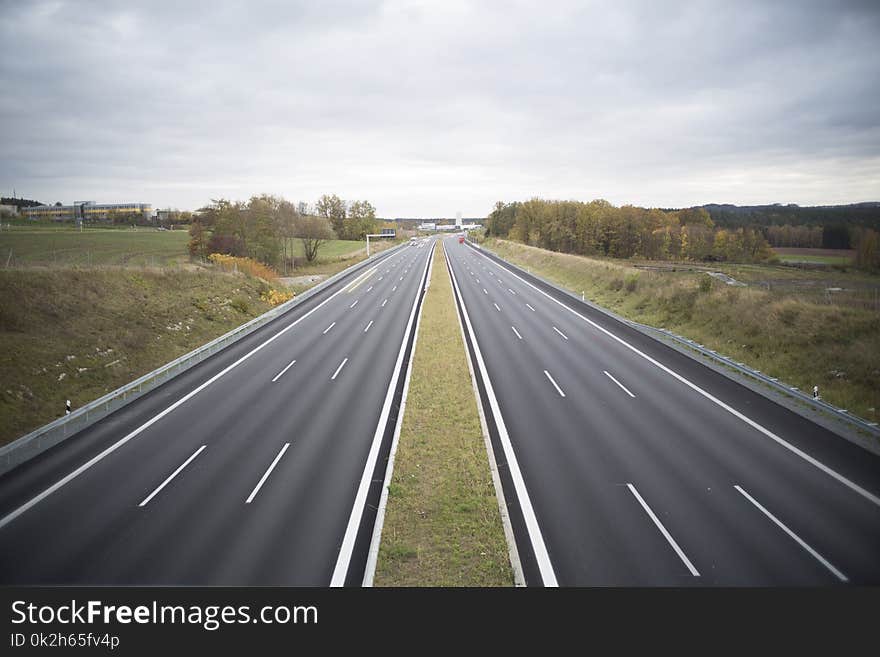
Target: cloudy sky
[{"x": 427, "y": 108}]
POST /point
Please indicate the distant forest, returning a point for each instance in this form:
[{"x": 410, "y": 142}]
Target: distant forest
[{"x": 735, "y": 235}]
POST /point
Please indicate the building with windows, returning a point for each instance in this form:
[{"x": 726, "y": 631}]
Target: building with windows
[{"x": 90, "y": 211}]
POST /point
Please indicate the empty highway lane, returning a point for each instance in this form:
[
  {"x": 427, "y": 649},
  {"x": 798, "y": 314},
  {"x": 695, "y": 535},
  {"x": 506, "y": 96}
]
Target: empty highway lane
[
  {"x": 625, "y": 462},
  {"x": 255, "y": 467}
]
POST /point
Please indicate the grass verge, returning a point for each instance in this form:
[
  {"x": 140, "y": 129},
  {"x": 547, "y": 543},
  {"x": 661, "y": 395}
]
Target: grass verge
[
  {"x": 785, "y": 323},
  {"x": 442, "y": 523},
  {"x": 80, "y": 333}
]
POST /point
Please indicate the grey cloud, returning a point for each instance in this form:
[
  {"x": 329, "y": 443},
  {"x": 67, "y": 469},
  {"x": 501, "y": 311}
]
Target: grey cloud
[{"x": 426, "y": 108}]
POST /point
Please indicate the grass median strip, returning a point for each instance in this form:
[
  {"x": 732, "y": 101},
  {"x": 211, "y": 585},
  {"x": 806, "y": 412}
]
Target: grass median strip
[{"x": 442, "y": 524}]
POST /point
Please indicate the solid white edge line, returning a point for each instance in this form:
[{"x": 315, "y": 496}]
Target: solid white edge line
[
  {"x": 666, "y": 534},
  {"x": 376, "y": 540},
  {"x": 119, "y": 443},
  {"x": 542, "y": 557},
  {"x": 560, "y": 333},
  {"x": 519, "y": 578},
  {"x": 266, "y": 475},
  {"x": 368, "y": 326},
  {"x": 338, "y": 369},
  {"x": 517, "y": 332},
  {"x": 780, "y": 441},
  {"x": 171, "y": 476},
  {"x": 555, "y": 385},
  {"x": 328, "y": 328},
  {"x": 281, "y": 373},
  {"x": 839, "y": 575},
  {"x": 622, "y": 387},
  {"x": 340, "y": 571}
]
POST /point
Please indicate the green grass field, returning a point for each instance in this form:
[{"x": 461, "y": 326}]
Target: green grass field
[
  {"x": 841, "y": 257},
  {"x": 805, "y": 327},
  {"x": 442, "y": 525},
  {"x": 95, "y": 247}
]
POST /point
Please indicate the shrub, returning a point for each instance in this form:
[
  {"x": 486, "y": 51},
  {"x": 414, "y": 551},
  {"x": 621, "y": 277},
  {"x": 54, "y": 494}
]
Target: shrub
[
  {"x": 241, "y": 304},
  {"x": 275, "y": 297},
  {"x": 632, "y": 282},
  {"x": 706, "y": 283},
  {"x": 244, "y": 265}
]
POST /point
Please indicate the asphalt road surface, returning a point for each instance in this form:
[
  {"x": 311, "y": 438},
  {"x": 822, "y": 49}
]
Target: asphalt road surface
[
  {"x": 627, "y": 463},
  {"x": 258, "y": 466}
]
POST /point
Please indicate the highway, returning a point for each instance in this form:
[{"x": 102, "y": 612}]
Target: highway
[
  {"x": 626, "y": 463},
  {"x": 260, "y": 466}
]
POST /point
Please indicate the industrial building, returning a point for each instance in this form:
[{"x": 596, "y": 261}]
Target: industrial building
[{"x": 89, "y": 211}]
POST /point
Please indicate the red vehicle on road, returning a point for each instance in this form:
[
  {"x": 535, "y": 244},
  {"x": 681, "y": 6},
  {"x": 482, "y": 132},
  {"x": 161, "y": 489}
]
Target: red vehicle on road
[{"x": 461, "y": 239}]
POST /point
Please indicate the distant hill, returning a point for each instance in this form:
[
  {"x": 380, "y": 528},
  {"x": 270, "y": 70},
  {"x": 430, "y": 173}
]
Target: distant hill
[{"x": 854, "y": 214}]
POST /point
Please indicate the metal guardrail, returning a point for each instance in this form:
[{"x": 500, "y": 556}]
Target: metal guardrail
[
  {"x": 49, "y": 435},
  {"x": 773, "y": 382}
]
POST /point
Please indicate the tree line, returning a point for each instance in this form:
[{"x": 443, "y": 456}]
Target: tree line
[
  {"x": 266, "y": 228},
  {"x": 600, "y": 228}
]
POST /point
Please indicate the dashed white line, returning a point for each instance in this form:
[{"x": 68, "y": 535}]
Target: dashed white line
[
  {"x": 496, "y": 307},
  {"x": 839, "y": 575},
  {"x": 666, "y": 534},
  {"x": 560, "y": 333},
  {"x": 341, "y": 365},
  {"x": 368, "y": 326},
  {"x": 266, "y": 475},
  {"x": 355, "y": 303},
  {"x": 328, "y": 328},
  {"x": 555, "y": 385},
  {"x": 517, "y": 332},
  {"x": 622, "y": 387},
  {"x": 384, "y": 302},
  {"x": 485, "y": 291},
  {"x": 171, "y": 476},
  {"x": 530, "y": 308},
  {"x": 511, "y": 291},
  {"x": 281, "y": 373},
  {"x": 394, "y": 288},
  {"x": 369, "y": 288}
]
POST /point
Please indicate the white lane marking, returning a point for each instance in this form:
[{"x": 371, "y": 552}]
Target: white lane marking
[
  {"x": 622, "y": 387},
  {"x": 355, "y": 303},
  {"x": 401, "y": 278},
  {"x": 517, "y": 332},
  {"x": 266, "y": 475},
  {"x": 360, "y": 279},
  {"x": 357, "y": 510},
  {"x": 384, "y": 302},
  {"x": 511, "y": 291},
  {"x": 485, "y": 291},
  {"x": 281, "y": 373},
  {"x": 666, "y": 534},
  {"x": 839, "y": 575},
  {"x": 478, "y": 280},
  {"x": 171, "y": 476},
  {"x": 394, "y": 289},
  {"x": 545, "y": 567},
  {"x": 560, "y": 333},
  {"x": 496, "y": 307},
  {"x": 369, "y": 288},
  {"x": 328, "y": 328},
  {"x": 380, "y": 278},
  {"x": 779, "y": 441},
  {"x": 555, "y": 385},
  {"x": 368, "y": 326},
  {"x": 470, "y": 272},
  {"x": 530, "y": 308},
  {"x": 341, "y": 365},
  {"x": 122, "y": 441}
]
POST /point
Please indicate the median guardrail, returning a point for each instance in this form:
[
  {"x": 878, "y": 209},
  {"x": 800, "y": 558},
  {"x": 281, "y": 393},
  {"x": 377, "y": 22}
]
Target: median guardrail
[{"x": 49, "y": 435}]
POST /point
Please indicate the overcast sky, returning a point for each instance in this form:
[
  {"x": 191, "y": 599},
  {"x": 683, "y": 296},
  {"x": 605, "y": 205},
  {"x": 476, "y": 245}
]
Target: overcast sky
[{"x": 427, "y": 108}]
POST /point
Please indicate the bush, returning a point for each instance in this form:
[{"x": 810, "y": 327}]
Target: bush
[
  {"x": 706, "y": 283},
  {"x": 241, "y": 304},
  {"x": 632, "y": 282}
]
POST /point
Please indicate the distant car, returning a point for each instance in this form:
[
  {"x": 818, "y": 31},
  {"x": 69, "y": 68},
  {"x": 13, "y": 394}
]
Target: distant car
[{"x": 461, "y": 239}]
